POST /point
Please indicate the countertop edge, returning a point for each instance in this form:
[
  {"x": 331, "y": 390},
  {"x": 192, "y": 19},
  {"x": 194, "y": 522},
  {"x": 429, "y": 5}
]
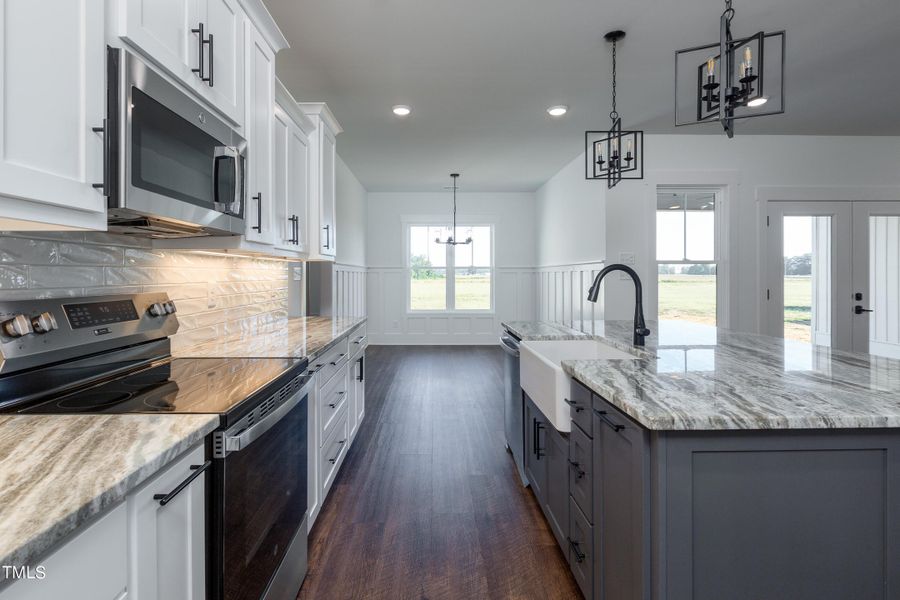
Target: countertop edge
[{"x": 54, "y": 535}]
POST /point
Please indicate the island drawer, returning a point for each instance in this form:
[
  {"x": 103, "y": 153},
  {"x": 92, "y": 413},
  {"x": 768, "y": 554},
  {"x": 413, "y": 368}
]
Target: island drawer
[
  {"x": 358, "y": 340},
  {"x": 332, "y": 402},
  {"x": 581, "y": 550},
  {"x": 333, "y": 452},
  {"x": 580, "y": 406},
  {"x": 581, "y": 471},
  {"x": 331, "y": 362}
]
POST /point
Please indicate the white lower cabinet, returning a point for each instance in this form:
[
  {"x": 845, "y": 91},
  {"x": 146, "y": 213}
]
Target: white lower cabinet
[
  {"x": 336, "y": 411},
  {"x": 90, "y": 566},
  {"x": 52, "y": 88},
  {"x": 166, "y": 543}
]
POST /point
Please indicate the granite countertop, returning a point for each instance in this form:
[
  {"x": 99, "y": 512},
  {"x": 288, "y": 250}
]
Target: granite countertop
[
  {"x": 541, "y": 330},
  {"x": 698, "y": 377},
  {"x": 292, "y": 338},
  {"x": 59, "y": 472}
]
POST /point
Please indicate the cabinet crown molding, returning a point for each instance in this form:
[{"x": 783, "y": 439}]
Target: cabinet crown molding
[
  {"x": 286, "y": 100},
  {"x": 321, "y": 110},
  {"x": 262, "y": 19}
]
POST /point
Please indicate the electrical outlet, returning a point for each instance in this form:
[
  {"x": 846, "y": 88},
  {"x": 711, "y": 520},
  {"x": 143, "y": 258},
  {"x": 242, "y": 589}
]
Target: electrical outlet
[
  {"x": 297, "y": 273},
  {"x": 626, "y": 258},
  {"x": 210, "y": 302}
]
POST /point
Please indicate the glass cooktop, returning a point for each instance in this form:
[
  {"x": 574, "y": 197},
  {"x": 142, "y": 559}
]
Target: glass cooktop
[{"x": 180, "y": 385}]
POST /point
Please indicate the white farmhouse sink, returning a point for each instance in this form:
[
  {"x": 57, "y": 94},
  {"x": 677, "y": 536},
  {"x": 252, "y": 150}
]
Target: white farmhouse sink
[{"x": 544, "y": 380}]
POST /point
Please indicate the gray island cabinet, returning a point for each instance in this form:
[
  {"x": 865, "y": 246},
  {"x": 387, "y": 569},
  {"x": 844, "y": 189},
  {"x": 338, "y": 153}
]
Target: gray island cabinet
[
  {"x": 766, "y": 514},
  {"x": 719, "y": 465}
]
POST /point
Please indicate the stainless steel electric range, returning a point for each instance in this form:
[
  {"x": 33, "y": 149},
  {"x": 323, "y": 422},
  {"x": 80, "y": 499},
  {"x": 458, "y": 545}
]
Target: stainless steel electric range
[{"x": 111, "y": 354}]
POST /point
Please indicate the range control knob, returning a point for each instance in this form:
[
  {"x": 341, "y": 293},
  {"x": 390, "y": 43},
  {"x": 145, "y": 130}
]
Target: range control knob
[
  {"x": 170, "y": 307},
  {"x": 17, "y": 326},
  {"x": 44, "y": 322},
  {"x": 157, "y": 310}
]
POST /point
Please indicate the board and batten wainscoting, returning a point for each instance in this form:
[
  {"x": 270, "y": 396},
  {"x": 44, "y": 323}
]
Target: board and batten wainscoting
[
  {"x": 350, "y": 290},
  {"x": 391, "y": 322},
  {"x": 884, "y": 278},
  {"x": 562, "y": 295},
  {"x": 216, "y": 294}
]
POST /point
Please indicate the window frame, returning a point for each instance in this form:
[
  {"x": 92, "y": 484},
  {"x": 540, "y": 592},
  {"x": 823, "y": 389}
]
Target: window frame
[
  {"x": 719, "y": 224},
  {"x": 450, "y": 269}
]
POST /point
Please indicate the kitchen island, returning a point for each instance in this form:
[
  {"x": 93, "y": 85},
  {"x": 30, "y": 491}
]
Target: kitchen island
[{"x": 718, "y": 464}]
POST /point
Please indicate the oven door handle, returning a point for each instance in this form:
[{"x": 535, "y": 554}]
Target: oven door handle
[{"x": 236, "y": 443}]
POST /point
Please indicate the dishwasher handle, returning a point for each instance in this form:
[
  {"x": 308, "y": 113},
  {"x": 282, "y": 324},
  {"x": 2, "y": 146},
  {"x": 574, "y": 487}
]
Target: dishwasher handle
[{"x": 509, "y": 345}]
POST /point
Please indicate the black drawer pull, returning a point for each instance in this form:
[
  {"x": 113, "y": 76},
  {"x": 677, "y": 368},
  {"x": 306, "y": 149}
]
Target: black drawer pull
[
  {"x": 615, "y": 426},
  {"x": 197, "y": 470},
  {"x": 574, "y": 405},
  {"x": 538, "y": 451},
  {"x": 579, "y": 555},
  {"x": 334, "y": 460},
  {"x": 577, "y": 466},
  {"x": 258, "y": 226}
]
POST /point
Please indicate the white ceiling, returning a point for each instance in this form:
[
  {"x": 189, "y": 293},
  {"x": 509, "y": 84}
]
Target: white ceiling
[{"x": 479, "y": 75}]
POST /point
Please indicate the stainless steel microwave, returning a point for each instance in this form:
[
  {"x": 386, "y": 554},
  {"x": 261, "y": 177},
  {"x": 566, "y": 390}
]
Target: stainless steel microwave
[{"x": 172, "y": 167}]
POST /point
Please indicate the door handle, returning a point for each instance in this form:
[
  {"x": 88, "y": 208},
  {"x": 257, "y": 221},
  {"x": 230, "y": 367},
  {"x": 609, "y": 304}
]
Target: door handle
[
  {"x": 258, "y": 226},
  {"x": 579, "y": 555},
  {"x": 327, "y": 229},
  {"x": 200, "y": 44},
  {"x": 573, "y": 405},
  {"x": 104, "y": 187},
  {"x": 212, "y": 47},
  {"x": 538, "y": 451},
  {"x": 858, "y": 310},
  {"x": 361, "y": 369},
  {"x": 577, "y": 466},
  {"x": 197, "y": 471}
]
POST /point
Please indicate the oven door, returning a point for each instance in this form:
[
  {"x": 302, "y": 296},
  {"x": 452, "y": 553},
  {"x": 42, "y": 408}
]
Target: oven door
[
  {"x": 177, "y": 161},
  {"x": 260, "y": 495}
]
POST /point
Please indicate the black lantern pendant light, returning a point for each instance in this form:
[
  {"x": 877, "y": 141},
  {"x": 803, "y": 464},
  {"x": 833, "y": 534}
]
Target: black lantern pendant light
[
  {"x": 731, "y": 79},
  {"x": 615, "y": 154},
  {"x": 451, "y": 239}
]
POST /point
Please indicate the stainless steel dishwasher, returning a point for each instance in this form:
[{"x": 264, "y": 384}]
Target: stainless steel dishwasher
[{"x": 513, "y": 405}]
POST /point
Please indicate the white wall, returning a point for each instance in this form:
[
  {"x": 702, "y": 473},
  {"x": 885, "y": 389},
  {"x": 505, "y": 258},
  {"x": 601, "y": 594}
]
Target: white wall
[
  {"x": 513, "y": 217},
  {"x": 350, "y": 198},
  {"x": 751, "y": 169}
]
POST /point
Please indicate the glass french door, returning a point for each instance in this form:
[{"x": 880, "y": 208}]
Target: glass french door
[
  {"x": 833, "y": 274},
  {"x": 876, "y": 278},
  {"x": 808, "y": 266}
]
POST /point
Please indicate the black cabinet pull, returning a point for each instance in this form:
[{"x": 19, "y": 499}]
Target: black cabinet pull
[
  {"x": 104, "y": 187},
  {"x": 258, "y": 226},
  {"x": 362, "y": 368},
  {"x": 327, "y": 229},
  {"x": 200, "y": 44},
  {"x": 212, "y": 47},
  {"x": 197, "y": 470},
  {"x": 573, "y": 405},
  {"x": 579, "y": 555},
  {"x": 334, "y": 460},
  {"x": 577, "y": 466},
  {"x": 538, "y": 451},
  {"x": 615, "y": 426}
]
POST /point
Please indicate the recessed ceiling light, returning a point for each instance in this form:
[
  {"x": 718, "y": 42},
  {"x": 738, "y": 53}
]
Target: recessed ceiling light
[
  {"x": 402, "y": 110},
  {"x": 558, "y": 110},
  {"x": 758, "y": 101}
]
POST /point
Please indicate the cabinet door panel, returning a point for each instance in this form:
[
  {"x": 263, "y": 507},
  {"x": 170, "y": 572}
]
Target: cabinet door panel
[
  {"x": 327, "y": 200},
  {"x": 581, "y": 550},
  {"x": 167, "y": 543},
  {"x": 298, "y": 183},
  {"x": 557, "y": 485},
  {"x": 282, "y": 169},
  {"x": 52, "y": 76},
  {"x": 581, "y": 471},
  {"x": 621, "y": 520},
  {"x": 162, "y": 30},
  {"x": 260, "y": 98},
  {"x": 224, "y": 21},
  {"x": 535, "y": 458}
]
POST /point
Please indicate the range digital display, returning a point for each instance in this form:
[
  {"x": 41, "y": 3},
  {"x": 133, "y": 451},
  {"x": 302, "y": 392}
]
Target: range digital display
[{"x": 100, "y": 313}]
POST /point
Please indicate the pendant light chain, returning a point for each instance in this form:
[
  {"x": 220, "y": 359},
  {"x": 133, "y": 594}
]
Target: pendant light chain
[{"x": 613, "y": 114}]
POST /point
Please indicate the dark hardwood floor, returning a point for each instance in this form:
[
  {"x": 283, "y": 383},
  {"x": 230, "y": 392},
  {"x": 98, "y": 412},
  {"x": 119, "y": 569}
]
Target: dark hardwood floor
[{"x": 428, "y": 503}]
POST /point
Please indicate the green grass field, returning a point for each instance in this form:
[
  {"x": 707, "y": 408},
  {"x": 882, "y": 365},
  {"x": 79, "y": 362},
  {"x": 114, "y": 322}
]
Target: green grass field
[
  {"x": 473, "y": 292},
  {"x": 693, "y": 298}
]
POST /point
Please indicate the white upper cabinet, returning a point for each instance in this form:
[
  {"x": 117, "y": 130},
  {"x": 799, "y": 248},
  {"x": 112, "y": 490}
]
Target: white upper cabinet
[
  {"x": 292, "y": 167},
  {"x": 200, "y": 42},
  {"x": 52, "y": 78},
  {"x": 323, "y": 226},
  {"x": 259, "y": 127}
]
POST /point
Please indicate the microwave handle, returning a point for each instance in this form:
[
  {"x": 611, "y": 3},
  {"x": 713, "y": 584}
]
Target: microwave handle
[{"x": 230, "y": 153}]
